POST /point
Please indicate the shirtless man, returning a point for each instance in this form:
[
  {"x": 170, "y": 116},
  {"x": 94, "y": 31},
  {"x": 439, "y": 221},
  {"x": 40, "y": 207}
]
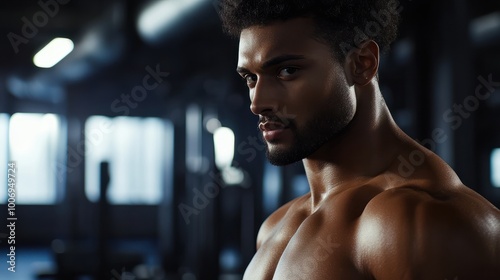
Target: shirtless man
[{"x": 365, "y": 217}]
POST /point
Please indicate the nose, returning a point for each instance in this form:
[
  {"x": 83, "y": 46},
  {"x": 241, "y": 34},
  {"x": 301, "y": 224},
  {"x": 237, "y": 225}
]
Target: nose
[{"x": 263, "y": 98}]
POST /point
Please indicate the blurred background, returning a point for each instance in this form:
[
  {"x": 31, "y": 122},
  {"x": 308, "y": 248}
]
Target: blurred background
[{"x": 137, "y": 156}]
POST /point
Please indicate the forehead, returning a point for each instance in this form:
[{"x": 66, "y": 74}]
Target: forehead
[{"x": 294, "y": 36}]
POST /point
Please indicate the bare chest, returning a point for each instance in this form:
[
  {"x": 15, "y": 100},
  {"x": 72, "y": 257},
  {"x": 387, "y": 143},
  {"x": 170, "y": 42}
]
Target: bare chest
[{"x": 313, "y": 247}]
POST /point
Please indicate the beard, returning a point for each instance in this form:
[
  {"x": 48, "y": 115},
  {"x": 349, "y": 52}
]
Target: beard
[{"x": 321, "y": 128}]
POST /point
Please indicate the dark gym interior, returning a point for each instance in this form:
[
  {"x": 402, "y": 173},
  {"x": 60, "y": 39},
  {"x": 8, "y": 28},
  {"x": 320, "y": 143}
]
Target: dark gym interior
[{"x": 121, "y": 174}]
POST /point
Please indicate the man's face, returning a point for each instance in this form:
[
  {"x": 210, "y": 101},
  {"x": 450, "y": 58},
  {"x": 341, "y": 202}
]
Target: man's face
[{"x": 296, "y": 87}]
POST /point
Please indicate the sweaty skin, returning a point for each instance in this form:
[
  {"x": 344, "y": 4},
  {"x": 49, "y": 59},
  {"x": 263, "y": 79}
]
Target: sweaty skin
[{"x": 365, "y": 217}]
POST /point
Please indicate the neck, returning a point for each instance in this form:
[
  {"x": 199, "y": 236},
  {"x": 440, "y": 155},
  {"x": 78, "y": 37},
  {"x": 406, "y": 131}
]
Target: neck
[{"x": 366, "y": 148}]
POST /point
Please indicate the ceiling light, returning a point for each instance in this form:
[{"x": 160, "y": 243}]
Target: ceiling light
[
  {"x": 156, "y": 18},
  {"x": 224, "y": 147},
  {"x": 53, "y": 52}
]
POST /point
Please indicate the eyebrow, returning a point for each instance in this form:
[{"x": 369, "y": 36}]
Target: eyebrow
[{"x": 274, "y": 61}]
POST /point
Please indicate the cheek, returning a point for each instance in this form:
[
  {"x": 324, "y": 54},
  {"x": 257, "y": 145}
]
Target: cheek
[
  {"x": 312, "y": 85},
  {"x": 344, "y": 102},
  {"x": 339, "y": 91},
  {"x": 303, "y": 97},
  {"x": 315, "y": 91},
  {"x": 325, "y": 97}
]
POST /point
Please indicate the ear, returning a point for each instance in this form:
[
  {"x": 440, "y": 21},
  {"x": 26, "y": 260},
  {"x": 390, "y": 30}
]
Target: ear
[{"x": 362, "y": 63}]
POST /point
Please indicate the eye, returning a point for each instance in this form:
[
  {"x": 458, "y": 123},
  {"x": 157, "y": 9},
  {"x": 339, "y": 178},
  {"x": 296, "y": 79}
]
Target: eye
[
  {"x": 249, "y": 78},
  {"x": 287, "y": 72}
]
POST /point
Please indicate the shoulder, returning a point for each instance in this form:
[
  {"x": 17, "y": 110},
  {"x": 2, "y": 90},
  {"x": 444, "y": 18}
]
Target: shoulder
[
  {"x": 439, "y": 233},
  {"x": 267, "y": 228}
]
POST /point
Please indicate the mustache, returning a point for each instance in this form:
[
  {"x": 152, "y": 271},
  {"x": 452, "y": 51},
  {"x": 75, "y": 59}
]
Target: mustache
[{"x": 275, "y": 120}]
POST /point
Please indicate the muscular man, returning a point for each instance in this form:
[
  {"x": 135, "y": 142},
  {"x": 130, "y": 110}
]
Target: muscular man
[{"x": 313, "y": 82}]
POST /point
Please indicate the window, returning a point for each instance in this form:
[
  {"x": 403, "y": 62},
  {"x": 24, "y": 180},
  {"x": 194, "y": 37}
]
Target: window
[
  {"x": 4, "y": 130},
  {"x": 272, "y": 185},
  {"x": 136, "y": 149},
  {"x": 300, "y": 185},
  {"x": 34, "y": 143},
  {"x": 495, "y": 168}
]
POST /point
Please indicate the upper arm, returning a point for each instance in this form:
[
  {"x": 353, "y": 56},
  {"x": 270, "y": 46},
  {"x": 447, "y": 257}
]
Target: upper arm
[
  {"x": 454, "y": 242},
  {"x": 407, "y": 234}
]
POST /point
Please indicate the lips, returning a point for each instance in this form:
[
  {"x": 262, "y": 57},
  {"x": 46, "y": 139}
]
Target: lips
[
  {"x": 272, "y": 131},
  {"x": 271, "y": 126}
]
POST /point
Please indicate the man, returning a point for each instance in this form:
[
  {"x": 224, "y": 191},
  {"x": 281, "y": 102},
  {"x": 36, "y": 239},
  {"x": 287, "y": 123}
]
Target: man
[{"x": 312, "y": 77}]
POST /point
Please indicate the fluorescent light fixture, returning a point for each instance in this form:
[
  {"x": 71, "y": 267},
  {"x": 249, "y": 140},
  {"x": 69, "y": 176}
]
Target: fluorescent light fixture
[
  {"x": 212, "y": 125},
  {"x": 233, "y": 176},
  {"x": 53, "y": 52},
  {"x": 160, "y": 15},
  {"x": 194, "y": 159},
  {"x": 485, "y": 29},
  {"x": 224, "y": 147},
  {"x": 495, "y": 168}
]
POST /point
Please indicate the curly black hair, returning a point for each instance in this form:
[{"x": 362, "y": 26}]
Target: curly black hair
[{"x": 342, "y": 24}]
